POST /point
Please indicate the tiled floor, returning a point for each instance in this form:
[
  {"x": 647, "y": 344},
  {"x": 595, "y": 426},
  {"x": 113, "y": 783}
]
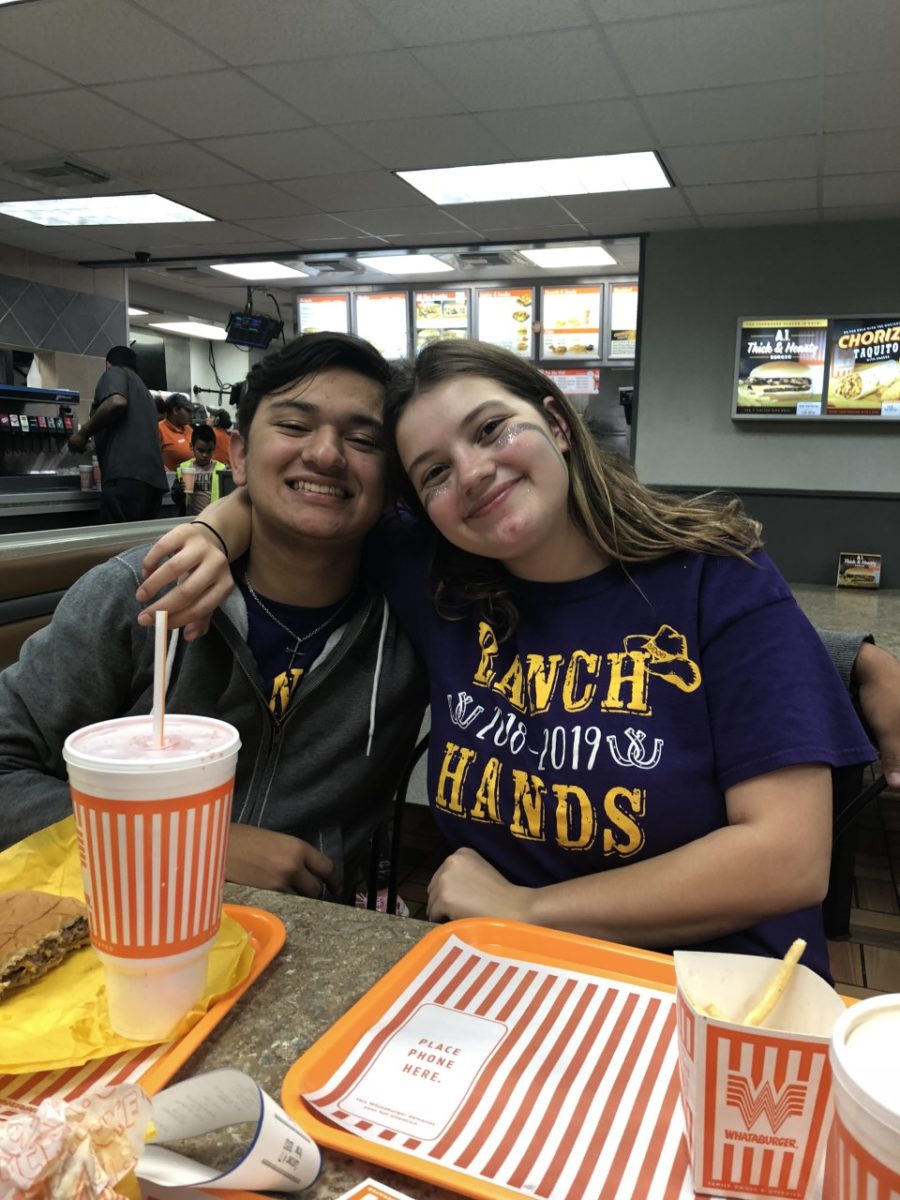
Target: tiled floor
[{"x": 867, "y": 963}]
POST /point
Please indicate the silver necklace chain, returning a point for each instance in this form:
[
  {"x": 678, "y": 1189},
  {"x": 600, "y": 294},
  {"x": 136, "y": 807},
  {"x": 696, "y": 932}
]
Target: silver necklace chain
[{"x": 297, "y": 639}]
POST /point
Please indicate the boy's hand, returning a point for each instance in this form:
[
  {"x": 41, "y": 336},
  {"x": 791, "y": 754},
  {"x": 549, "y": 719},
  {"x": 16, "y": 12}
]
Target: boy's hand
[{"x": 265, "y": 859}]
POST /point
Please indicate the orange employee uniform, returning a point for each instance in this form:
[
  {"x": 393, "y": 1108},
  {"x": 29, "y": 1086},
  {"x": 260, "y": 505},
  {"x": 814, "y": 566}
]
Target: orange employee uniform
[
  {"x": 222, "y": 452},
  {"x": 176, "y": 444}
]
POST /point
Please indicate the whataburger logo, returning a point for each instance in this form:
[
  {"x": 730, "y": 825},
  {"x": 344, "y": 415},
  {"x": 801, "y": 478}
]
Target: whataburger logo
[{"x": 776, "y": 1107}]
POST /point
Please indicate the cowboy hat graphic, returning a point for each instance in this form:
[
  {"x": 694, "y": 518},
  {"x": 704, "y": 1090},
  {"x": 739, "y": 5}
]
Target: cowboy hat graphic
[{"x": 667, "y": 656}]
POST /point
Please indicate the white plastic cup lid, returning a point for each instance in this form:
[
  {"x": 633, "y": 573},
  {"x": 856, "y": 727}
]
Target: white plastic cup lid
[{"x": 127, "y": 744}]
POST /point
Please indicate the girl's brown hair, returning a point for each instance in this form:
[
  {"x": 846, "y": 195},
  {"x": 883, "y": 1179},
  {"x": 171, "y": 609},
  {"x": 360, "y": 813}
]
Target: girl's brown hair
[{"x": 618, "y": 515}]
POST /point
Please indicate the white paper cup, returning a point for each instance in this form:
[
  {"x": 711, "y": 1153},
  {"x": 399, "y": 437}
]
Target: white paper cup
[
  {"x": 188, "y": 476},
  {"x": 86, "y": 477},
  {"x": 152, "y": 830},
  {"x": 864, "y": 1155}
]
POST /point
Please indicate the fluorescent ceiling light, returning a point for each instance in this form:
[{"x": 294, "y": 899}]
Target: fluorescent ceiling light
[
  {"x": 404, "y": 264},
  {"x": 133, "y": 312},
  {"x": 569, "y": 256},
  {"x": 259, "y": 270},
  {"x": 543, "y": 177},
  {"x": 142, "y": 209},
  {"x": 199, "y": 329}
]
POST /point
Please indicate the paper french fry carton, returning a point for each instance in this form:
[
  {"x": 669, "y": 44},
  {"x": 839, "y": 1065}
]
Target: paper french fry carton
[{"x": 756, "y": 1099}]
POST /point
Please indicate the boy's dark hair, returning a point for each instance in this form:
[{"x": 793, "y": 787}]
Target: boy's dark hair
[
  {"x": 122, "y": 356},
  {"x": 203, "y": 433},
  {"x": 308, "y": 355}
]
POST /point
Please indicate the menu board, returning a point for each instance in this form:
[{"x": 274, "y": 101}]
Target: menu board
[
  {"x": 505, "y": 318},
  {"x": 383, "y": 320},
  {"x": 576, "y": 383},
  {"x": 329, "y": 312},
  {"x": 864, "y": 367},
  {"x": 781, "y": 366},
  {"x": 623, "y": 310},
  {"x": 571, "y": 322},
  {"x": 441, "y": 315}
]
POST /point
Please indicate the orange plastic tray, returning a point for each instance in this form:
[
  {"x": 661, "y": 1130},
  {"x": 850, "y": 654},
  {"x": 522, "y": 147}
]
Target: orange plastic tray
[
  {"x": 525, "y": 942},
  {"x": 267, "y": 934}
]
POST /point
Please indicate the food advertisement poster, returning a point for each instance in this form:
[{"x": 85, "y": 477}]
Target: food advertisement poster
[
  {"x": 781, "y": 367},
  {"x": 324, "y": 312},
  {"x": 576, "y": 383},
  {"x": 857, "y": 570},
  {"x": 623, "y": 310},
  {"x": 571, "y": 322},
  {"x": 864, "y": 369},
  {"x": 381, "y": 318},
  {"x": 441, "y": 315},
  {"x": 505, "y": 318}
]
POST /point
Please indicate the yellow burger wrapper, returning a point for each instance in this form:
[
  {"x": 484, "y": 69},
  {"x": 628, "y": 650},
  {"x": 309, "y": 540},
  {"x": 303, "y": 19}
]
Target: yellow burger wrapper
[{"x": 62, "y": 1020}]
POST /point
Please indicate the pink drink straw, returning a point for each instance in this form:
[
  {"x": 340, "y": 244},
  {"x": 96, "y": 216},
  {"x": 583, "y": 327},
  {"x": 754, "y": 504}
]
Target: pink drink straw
[{"x": 159, "y": 676}]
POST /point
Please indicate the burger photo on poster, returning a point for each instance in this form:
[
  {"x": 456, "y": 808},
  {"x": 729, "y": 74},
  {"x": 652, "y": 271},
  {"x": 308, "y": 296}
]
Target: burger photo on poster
[{"x": 775, "y": 379}]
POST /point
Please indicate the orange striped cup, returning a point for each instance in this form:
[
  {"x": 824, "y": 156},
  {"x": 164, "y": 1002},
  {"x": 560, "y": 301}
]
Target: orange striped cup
[
  {"x": 152, "y": 827},
  {"x": 864, "y": 1151}
]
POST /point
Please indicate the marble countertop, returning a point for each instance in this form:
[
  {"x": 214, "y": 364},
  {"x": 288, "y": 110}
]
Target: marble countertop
[{"x": 332, "y": 955}]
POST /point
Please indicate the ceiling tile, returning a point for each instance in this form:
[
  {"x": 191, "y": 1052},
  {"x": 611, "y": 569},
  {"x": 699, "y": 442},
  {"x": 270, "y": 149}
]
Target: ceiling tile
[
  {"x": 79, "y": 120},
  {"x": 14, "y": 146},
  {"x": 547, "y": 68},
  {"x": 566, "y": 130},
  {"x": 400, "y": 240},
  {"x": 240, "y": 201},
  {"x": 753, "y": 197},
  {"x": 288, "y": 154},
  {"x": 204, "y": 236},
  {"x": 427, "y": 22},
  {"x": 843, "y": 190},
  {"x": 629, "y": 10},
  {"x": 280, "y": 31},
  {"x": 169, "y": 165},
  {"x": 864, "y": 100},
  {"x": 654, "y": 203},
  {"x": 316, "y": 225},
  {"x": 747, "y": 220},
  {"x": 386, "y": 222},
  {"x": 758, "y": 110},
  {"x": 417, "y": 142},
  {"x": 533, "y": 233},
  {"x": 211, "y": 104},
  {"x": 718, "y": 48},
  {"x": 389, "y": 83},
  {"x": 782, "y": 158},
  {"x": 861, "y": 37},
  {"x": 871, "y": 150},
  {"x": 338, "y": 193},
  {"x": 510, "y": 214},
  {"x": 18, "y": 76},
  {"x": 874, "y": 212},
  {"x": 99, "y": 41}
]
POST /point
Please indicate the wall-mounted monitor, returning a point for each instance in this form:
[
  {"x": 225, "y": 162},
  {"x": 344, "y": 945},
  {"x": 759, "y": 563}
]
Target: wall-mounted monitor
[
  {"x": 505, "y": 318},
  {"x": 441, "y": 316},
  {"x": 382, "y": 318},
  {"x": 324, "y": 311},
  {"x": 831, "y": 369},
  {"x": 571, "y": 322}
]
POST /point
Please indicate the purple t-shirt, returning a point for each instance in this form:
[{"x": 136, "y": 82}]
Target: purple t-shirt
[{"x": 608, "y": 727}]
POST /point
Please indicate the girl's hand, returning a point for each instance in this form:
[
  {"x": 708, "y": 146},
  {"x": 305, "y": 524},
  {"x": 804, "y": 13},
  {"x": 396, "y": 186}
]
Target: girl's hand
[
  {"x": 465, "y": 885},
  {"x": 191, "y": 557}
]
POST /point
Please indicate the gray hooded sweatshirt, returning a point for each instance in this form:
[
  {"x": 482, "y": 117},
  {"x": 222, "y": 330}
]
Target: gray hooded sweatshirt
[{"x": 326, "y": 772}]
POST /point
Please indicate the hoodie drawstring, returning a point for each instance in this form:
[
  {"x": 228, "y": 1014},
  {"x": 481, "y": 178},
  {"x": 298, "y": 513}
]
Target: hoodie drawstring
[{"x": 379, "y": 660}]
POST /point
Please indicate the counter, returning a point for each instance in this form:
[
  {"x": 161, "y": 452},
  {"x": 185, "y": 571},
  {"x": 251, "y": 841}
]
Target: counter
[{"x": 333, "y": 954}]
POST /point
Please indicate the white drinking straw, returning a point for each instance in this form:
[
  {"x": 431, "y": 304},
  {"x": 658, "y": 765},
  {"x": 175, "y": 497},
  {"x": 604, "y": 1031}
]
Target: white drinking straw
[{"x": 159, "y": 676}]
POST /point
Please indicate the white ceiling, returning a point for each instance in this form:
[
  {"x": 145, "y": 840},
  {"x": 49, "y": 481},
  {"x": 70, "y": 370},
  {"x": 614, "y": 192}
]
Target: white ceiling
[{"x": 284, "y": 119}]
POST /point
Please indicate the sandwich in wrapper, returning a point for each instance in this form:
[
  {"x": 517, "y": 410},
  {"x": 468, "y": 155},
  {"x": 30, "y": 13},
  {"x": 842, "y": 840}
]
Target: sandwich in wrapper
[{"x": 37, "y": 931}]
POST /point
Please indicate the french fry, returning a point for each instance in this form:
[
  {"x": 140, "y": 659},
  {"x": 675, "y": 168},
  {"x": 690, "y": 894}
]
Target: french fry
[
  {"x": 711, "y": 1010},
  {"x": 775, "y": 990}
]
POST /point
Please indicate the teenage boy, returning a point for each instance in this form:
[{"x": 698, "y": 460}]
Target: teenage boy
[
  {"x": 303, "y": 657},
  {"x": 205, "y": 483},
  {"x": 123, "y": 425}
]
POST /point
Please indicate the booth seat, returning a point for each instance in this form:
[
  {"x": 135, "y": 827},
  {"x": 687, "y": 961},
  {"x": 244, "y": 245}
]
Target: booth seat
[{"x": 36, "y": 569}]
